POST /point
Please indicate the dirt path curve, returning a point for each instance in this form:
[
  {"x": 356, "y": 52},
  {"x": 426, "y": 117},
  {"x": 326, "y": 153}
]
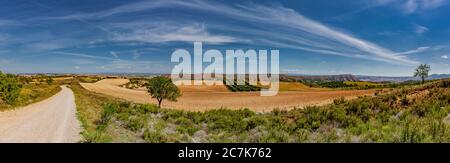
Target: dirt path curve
[{"x": 50, "y": 121}]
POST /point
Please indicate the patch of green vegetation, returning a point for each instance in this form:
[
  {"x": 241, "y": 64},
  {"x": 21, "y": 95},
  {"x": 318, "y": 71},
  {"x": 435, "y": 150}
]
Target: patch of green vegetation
[
  {"x": 31, "y": 93},
  {"x": 246, "y": 87},
  {"x": 90, "y": 108},
  {"x": 90, "y": 79},
  {"x": 360, "y": 84},
  {"x": 136, "y": 83},
  {"x": 9, "y": 88},
  {"x": 335, "y": 84},
  {"x": 20, "y": 91}
]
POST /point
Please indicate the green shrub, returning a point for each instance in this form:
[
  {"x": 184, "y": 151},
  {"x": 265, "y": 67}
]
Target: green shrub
[
  {"x": 9, "y": 88},
  {"x": 339, "y": 101},
  {"x": 96, "y": 137},
  {"x": 190, "y": 130},
  {"x": 136, "y": 123},
  {"x": 254, "y": 121},
  {"x": 302, "y": 135},
  {"x": 404, "y": 101},
  {"x": 147, "y": 108},
  {"x": 274, "y": 136},
  {"x": 49, "y": 81},
  {"x": 108, "y": 111},
  {"x": 411, "y": 133},
  {"x": 153, "y": 136},
  {"x": 173, "y": 114},
  {"x": 228, "y": 120}
]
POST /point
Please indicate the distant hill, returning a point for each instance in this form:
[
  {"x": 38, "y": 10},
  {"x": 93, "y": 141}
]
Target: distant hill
[
  {"x": 385, "y": 78},
  {"x": 343, "y": 77},
  {"x": 439, "y": 76},
  {"x": 350, "y": 77},
  {"x": 398, "y": 79}
]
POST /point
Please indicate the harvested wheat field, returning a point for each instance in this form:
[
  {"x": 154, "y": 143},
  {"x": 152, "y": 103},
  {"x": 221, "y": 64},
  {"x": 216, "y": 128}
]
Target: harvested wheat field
[
  {"x": 196, "y": 99},
  {"x": 63, "y": 78}
]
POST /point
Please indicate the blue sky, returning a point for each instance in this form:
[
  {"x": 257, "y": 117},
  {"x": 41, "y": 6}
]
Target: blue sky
[{"x": 366, "y": 37}]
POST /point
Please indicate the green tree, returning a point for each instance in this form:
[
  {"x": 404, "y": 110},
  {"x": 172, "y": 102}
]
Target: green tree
[
  {"x": 49, "y": 80},
  {"x": 422, "y": 71},
  {"x": 9, "y": 88},
  {"x": 162, "y": 88}
]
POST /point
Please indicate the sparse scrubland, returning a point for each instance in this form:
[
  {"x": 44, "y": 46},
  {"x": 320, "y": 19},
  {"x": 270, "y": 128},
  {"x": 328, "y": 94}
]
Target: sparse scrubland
[
  {"x": 21, "y": 91},
  {"x": 358, "y": 84},
  {"x": 411, "y": 114},
  {"x": 135, "y": 83}
]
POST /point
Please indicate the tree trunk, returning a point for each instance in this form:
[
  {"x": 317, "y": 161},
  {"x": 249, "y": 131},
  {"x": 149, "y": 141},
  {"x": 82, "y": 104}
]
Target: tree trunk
[
  {"x": 423, "y": 80},
  {"x": 159, "y": 103}
]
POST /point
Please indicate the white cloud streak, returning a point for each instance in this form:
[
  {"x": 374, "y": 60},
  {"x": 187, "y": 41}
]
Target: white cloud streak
[
  {"x": 111, "y": 64},
  {"x": 84, "y": 56},
  {"x": 411, "y": 6},
  {"x": 114, "y": 54},
  {"x": 420, "y": 29},
  {"x": 315, "y": 36},
  {"x": 170, "y": 32},
  {"x": 418, "y": 50}
]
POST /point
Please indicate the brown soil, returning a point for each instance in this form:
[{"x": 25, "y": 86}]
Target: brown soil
[{"x": 201, "y": 98}]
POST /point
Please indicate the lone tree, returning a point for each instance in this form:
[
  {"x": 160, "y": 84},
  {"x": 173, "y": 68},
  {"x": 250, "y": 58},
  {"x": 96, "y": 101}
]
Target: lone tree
[
  {"x": 49, "y": 80},
  {"x": 422, "y": 71},
  {"x": 162, "y": 88}
]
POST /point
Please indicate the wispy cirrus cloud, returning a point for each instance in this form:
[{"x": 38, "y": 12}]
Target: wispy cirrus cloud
[
  {"x": 81, "y": 55},
  {"x": 414, "y": 51},
  {"x": 420, "y": 29},
  {"x": 411, "y": 6},
  {"x": 48, "y": 45},
  {"x": 144, "y": 5},
  {"x": 126, "y": 65},
  {"x": 83, "y": 61},
  {"x": 405, "y": 6},
  {"x": 5, "y": 23},
  {"x": 113, "y": 64},
  {"x": 298, "y": 31},
  {"x": 114, "y": 54},
  {"x": 172, "y": 32}
]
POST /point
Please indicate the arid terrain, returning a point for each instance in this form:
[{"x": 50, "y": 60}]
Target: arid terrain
[{"x": 201, "y": 98}]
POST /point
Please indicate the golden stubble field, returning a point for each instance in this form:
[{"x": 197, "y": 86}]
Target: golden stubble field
[{"x": 201, "y": 98}]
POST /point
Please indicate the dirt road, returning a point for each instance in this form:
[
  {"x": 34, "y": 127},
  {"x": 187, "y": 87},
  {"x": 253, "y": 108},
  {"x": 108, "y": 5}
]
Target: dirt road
[
  {"x": 50, "y": 121},
  {"x": 195, "y": 100}
]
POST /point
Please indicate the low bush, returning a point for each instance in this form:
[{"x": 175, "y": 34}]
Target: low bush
[{"x": 9, "y": 88}]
